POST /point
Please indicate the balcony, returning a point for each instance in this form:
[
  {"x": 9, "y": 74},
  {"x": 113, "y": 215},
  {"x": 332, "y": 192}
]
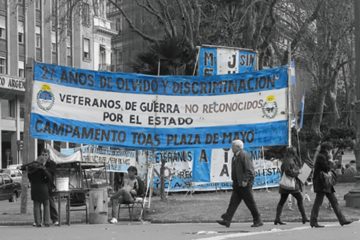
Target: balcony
[{"x": 104, "y": 26}]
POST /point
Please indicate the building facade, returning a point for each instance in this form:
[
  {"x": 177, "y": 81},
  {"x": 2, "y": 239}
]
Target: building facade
[
  {"x": 72, "y": 33},
  {"x": 128, "y": 44}
]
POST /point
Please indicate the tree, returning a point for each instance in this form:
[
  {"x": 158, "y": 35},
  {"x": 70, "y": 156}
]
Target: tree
[
  {"x": 174, "y": 57},
  {"x": 318, "y": 32}
]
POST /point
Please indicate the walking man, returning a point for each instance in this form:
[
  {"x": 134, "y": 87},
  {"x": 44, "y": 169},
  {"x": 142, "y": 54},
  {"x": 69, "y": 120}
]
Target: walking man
[{"x": 242, "y": 175}]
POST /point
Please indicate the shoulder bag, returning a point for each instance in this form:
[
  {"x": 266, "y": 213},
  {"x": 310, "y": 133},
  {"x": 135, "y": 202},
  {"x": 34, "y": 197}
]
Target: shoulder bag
[
  {"x": 328, "y": 178},
  {"x": 287, "y": 182}
]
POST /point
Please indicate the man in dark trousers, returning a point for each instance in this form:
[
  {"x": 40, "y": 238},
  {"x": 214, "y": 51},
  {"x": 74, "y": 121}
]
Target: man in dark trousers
[
  {"x": 50, "y": 166},
  {"x": 242, "y": 175}
]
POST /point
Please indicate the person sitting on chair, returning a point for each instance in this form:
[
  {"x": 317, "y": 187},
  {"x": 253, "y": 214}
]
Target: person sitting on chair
[{"x": 126, "y": 194}]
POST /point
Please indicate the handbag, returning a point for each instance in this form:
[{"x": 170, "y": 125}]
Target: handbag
[
  {"x": 328, "y": 178},
  {"x": 287, "y": 182}
]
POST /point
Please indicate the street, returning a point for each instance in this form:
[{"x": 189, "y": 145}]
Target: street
[{"x": 199, "y": 231}]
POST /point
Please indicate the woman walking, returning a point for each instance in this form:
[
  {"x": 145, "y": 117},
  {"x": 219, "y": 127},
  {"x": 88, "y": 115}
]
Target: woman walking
[
  {"x": 323, "y": 164},
  {"x": 291, "y": 168}
]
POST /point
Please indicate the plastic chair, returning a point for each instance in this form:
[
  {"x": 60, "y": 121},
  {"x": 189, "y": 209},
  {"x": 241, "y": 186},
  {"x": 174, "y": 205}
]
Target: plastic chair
[
  {"x": 78, "y": 202},
  {"x": 138, "y": 202}
]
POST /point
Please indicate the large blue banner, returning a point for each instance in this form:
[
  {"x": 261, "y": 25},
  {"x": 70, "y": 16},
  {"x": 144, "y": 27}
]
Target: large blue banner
[{"x": 151, "y": 112}]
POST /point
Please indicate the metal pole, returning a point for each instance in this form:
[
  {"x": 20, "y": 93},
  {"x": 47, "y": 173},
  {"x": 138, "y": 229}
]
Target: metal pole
[
  {"x": 289, "y": 98},
  {"x": 29, "y": 148},
  {"x": 357, "y": 67},
  {"x": 197, "y": 60}
]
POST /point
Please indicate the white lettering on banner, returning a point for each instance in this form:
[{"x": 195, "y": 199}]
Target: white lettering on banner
[{"x": 7, "y": 82}]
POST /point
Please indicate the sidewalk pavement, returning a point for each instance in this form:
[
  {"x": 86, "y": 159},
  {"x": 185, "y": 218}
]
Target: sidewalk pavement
[{"x": 197, "y": 208}]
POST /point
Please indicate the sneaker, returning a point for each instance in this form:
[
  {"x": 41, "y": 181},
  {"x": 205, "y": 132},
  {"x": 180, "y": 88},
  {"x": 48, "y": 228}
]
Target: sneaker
[
  {"x": 56, "y": 223},
  {"x": 113, "y": 220}
]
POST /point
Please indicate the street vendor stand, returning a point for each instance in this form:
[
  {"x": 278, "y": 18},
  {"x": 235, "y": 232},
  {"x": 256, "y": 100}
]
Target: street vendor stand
[{"x": 74, "y": 185}]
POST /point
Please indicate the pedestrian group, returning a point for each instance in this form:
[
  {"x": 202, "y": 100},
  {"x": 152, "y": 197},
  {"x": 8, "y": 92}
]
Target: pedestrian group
[{"x": 41, "y": 174}]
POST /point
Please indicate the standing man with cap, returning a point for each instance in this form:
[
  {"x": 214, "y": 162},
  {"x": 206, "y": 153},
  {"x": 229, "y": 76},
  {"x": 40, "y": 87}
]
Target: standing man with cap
[{"x": 242, "y": 175}]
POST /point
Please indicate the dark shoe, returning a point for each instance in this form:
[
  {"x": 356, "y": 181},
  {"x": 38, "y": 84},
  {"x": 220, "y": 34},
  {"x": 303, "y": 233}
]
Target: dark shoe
[
  {"x": 224, "y": 223},
  {"x": 345, "y": 223},
  {"x": 257, "y": 224},
  {"x": 47, "y": 225},
  {"x": 276, "y": 222},
  {"x": 38, "y": 225},
  {"x": 316, "y": 225},
  {"x": 305, "y": 221}
]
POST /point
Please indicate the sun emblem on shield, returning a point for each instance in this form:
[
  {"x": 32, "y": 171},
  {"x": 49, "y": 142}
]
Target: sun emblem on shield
[
  {"x": 270, "y": 108},
  {"x": 45, "y": 98}
]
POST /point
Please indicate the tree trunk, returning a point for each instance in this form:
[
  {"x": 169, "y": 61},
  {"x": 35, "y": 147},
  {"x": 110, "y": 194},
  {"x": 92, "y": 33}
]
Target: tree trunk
[
  {"x": 318, "y": 116},
  {"x": 335, "y": 116}
]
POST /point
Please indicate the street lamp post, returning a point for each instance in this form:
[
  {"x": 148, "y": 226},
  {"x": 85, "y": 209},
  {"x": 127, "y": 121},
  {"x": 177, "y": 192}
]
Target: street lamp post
[{"x": 353, "y": 197}]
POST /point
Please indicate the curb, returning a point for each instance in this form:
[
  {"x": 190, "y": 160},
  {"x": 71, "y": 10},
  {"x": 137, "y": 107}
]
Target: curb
[{"x": 28, "y": 223}]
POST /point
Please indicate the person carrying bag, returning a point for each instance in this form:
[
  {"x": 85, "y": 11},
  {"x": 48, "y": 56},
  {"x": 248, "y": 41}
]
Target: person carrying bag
[
  {"x": 290, "y": 184},
  {"x": 324, "y": 180}
]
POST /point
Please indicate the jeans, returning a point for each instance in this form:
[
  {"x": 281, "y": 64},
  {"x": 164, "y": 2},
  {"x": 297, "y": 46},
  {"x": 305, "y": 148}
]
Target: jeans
[
  {"x": 53, "y": 211},
  {"x": 239, "y": 194},
  {"x": 121, "y": 196},
  {"x": 334, "y": 203},
  {"x": 37, "y": 213}
]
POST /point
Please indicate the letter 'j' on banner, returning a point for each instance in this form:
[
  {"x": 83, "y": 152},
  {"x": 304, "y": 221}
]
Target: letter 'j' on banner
[
  {"x": 159, "y": 112},
  {"x": 218, "y": 60}
]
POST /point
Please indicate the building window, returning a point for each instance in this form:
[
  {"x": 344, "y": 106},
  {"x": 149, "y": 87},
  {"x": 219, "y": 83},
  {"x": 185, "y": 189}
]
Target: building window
[
  {"x": 53, "y": 42},
  {"x": 3, "y": 4},
  {"x": 21, "y": 67},
  {"x": 53, "y": 47},
  {"x": 102, "y": 54},
  {"x": 118, "y": 24},
  {"x": 118, "y": 57},
  {"x": 38, "y": 4},
  {"x": 38, "y": 40},
  {"x": 86, "y": 49},
  {"x": 53, "y": 15},
  {"x": 3, "y": 65},
  {"x": 21, "y": 38},
  {"x": 38, "y": 37},
  {"x": 2, "y": 27},
  {"x": 68, "y": 51},
  {"x": 21, "y": 32},
  {"x": 85, "y": 14}
]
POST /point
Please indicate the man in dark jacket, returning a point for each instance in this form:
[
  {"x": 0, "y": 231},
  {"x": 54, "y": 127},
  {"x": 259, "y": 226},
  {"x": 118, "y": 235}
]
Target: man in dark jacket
[
  {"x": 50, "y": 166},
  {"x": 39, "y": 180},
  {"x": 323, "y": 165},
  {"x": 242, "y": 175}
]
